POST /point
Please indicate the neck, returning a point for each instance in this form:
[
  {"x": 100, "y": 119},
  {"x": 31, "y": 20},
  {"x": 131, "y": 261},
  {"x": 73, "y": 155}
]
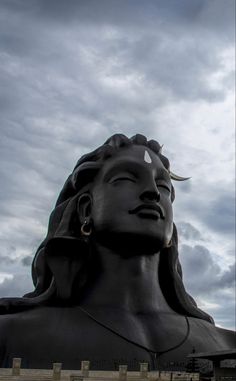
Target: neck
[{"x": 128, "y": 282}]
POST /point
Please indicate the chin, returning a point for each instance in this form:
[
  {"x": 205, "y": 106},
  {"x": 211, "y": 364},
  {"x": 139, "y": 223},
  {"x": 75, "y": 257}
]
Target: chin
[
  {"x": 144, "y": 238},
  {"x": 145, "y": 242}
]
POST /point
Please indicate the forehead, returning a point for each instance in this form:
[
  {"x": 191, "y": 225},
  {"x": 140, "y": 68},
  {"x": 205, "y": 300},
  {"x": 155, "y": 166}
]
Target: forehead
[{"x": 135, "y": 156}]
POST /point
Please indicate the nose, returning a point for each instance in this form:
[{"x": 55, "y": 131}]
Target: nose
[{"x": 150, "y": 194}]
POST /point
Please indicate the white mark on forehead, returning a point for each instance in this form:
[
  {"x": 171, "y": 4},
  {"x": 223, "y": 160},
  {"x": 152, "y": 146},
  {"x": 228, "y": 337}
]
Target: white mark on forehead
[{"x": 147, "y": 157}]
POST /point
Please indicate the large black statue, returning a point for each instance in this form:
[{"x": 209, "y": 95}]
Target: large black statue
[{"x": 108, "y": 282}]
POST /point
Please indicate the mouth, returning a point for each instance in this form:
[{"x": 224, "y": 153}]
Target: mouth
[{"x": 148, "y": 210}]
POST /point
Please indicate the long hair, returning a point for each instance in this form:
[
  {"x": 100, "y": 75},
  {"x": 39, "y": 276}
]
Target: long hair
[{"x": 60, "y": 266}]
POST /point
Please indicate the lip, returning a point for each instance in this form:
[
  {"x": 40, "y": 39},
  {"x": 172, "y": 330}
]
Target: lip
[{"x": 149, "y": 209}]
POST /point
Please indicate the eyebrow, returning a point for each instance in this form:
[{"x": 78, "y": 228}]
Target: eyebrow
[
  {"x": 162, "y": 172},
  {"x": 165, "y": 173},
  {"x": 120, "y": 166}
]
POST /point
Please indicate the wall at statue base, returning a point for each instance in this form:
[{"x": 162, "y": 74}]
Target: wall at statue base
[{"x": 71, "y": 375}]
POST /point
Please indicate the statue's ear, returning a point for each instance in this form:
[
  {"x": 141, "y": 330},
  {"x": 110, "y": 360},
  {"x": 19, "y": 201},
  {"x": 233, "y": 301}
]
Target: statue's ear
[{"x": 84, "y": 207}]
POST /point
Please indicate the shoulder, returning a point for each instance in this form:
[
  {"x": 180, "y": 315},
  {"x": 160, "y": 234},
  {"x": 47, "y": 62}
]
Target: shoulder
[
  {"x": 6, "y": 321},
  {"x": 213, "y": 336},
  {"x": 17, "y": 321},
  {"x": 38, "y": 318},
  {"x": 5, "y": 329},
  {"x": 229, "y": 336}
]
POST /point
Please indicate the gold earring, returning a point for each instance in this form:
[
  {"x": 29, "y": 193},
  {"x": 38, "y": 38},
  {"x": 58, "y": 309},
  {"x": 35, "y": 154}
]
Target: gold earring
[
  {"x": 169, "y": 244},
  {"x": 86, "y": 228}
]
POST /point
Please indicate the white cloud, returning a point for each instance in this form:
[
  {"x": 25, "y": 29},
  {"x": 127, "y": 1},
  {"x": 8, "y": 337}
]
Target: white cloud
[{"x": 4, "y": 276}]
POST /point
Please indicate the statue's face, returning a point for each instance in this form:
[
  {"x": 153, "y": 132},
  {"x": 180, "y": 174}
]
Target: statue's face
[{"x": 131, "y": 198}]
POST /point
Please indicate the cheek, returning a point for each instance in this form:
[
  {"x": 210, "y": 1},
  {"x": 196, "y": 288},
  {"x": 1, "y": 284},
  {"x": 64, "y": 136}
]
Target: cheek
[
  {"x": 168, "y": 217},
  {"x": 104, "y": 209},
  {"x": 170, "y": 214},
  {"x": 167, "y": 205},
  {"x": 110, "y": 210},
  {"x": 116, "y": 198},
  {"x": 169, "y": 230}
]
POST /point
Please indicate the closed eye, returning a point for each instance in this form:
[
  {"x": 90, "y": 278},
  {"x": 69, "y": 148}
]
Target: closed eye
[
  {"x": 123, "y": 178},
  {"x": 164, "y": 186}
]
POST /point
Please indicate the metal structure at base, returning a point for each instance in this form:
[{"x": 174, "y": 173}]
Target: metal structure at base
[{"x": 224, "y": 363}]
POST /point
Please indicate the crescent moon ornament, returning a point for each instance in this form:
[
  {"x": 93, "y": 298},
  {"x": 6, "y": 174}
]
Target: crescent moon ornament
[{"x": 178, "y": 178}]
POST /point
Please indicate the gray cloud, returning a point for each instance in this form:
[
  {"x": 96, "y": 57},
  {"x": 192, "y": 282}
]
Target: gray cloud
[
  {"x": 27, "y": 261},
  {"x": 8, "y": 251},
  {"x": 228, "y": 277},
  {"x": 17, "y": 286},
  {"x": 5, "y": 260},
  {"x": 188, "y": 231},
  {"x": 206, "y": 275},
  {"x": 145, "y": 53},
  {"x": 221, "y": 214},
  {"x": 213, "y": 15},
  {"x": 226, "y": 316},
  {"x": 209, "y": 203},
  {"x": 206, "y": 281},
  {"x": 217, "y": 213}
]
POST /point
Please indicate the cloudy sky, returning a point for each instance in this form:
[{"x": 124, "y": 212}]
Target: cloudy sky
[{"x": 75, "y": 72}]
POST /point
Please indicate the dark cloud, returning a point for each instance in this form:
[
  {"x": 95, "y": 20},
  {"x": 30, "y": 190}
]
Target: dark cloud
[
  {"x": 221, "y": 214},
  {"x": 212, "y": 287},
  {"x": 209, "y": 204},
  {"x": 27, "y": 261},
  {"x": 8, "y": 252},
  {"x": 183, "y": 74},
  {"x": 211, "y": 14},
  {"x": 6, "y": 260},
  {"x": 202, "y": 274},
  {"x": 228, "y": 278}
]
